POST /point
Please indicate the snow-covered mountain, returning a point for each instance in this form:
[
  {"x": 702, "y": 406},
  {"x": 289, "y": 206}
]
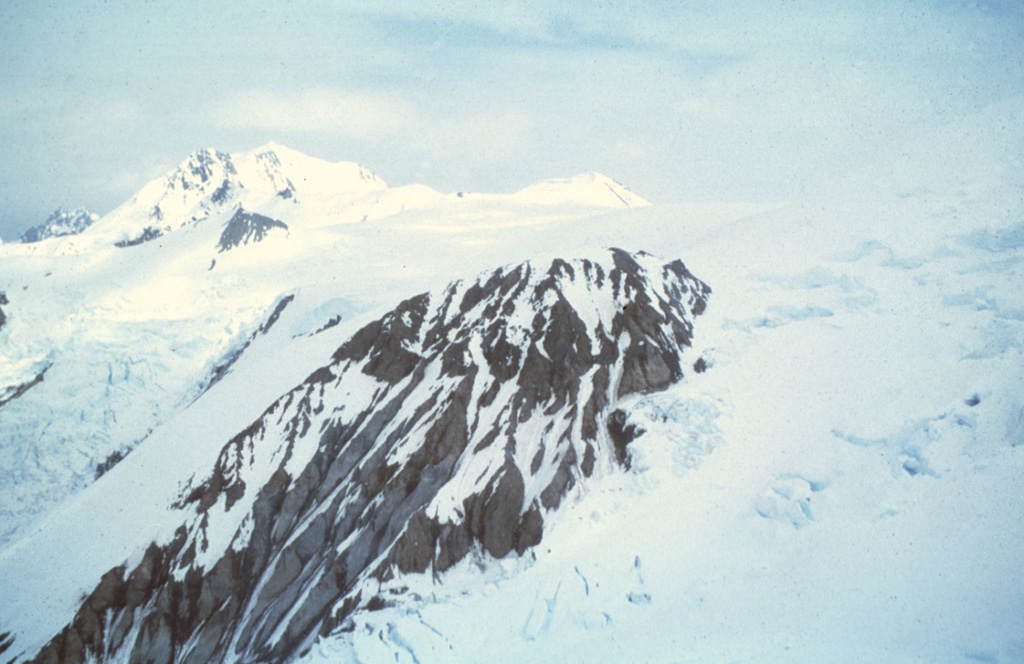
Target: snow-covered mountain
[
  {"x": 454, "y": 424},
  {"x": 115, "y": 328},
  {"x": 61, "y": 222},
  {"x": 210, "y": 182},
  {"x": 583, "y": 189},
  {"x": 568, "y": 458}
]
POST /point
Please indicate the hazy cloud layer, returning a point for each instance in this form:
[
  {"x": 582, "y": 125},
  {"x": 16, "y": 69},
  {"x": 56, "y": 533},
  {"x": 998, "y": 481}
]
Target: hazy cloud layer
[{"x": 353, "y": 113}]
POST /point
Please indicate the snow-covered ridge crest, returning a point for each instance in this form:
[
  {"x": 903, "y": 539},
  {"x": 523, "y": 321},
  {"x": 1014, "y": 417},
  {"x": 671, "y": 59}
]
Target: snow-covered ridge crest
[
  {"x": 452, "y": 426},
  {"x": 308, "y": 192},
  {"x": 584, "y": 189}
]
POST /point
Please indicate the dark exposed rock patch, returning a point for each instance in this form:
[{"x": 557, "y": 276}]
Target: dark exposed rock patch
[
  {"x": 200, "y": 168},
  {"x": 245, "y": 227},
  {"x": 148, "y": 233},
  {"x": 222, "y": 192},
  {"x": 332, "y": 322},
  {"x": 622, "y": 435},
  {"x": 288, "y": 193},
  {"x": 6, "y": 640},
  {"x": 276, "y": 313},
  {"x": 12, "y": 392},
  {"x": 114, "y": 458},
  {"x": 227, "y": 361},
  {"x": 447, "y": 428}
]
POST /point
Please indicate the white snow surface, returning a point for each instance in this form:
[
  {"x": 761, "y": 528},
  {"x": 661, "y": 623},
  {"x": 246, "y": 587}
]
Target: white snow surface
[{"x": 841, "y": 484}]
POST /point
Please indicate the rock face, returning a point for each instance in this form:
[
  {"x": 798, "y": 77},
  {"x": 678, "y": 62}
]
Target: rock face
[
  {"x": 148, "y": 233},
  {"x": 61, "y": 222},
  {"x": 11, "y": 392},
  {"x": 245, "y": 227},
  {"x": 450, "y": 427}
]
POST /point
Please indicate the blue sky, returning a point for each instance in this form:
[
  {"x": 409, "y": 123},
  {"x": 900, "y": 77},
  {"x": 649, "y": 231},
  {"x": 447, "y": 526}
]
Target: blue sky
[{"x": 681, "y": 101}]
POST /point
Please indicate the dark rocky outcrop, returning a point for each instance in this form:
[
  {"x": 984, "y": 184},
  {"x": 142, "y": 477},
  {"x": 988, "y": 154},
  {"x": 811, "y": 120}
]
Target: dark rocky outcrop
[
  {"x": 225, "y": 363},
  {"x": 201, "y": 167},
  {"x": 245, "y": 227},
  {"x": 622, "y": 434},
  {"x": 448, "y": 428},
  {"x": 62, "y": 222},
  {"x": 114, "y": 458},
  {"x": 12, "y": 392},
  {"x": 6, "y": 640},
  {"x": 148, "y": 233}
]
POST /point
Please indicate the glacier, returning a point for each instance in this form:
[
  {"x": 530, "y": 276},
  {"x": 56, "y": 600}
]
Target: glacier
[{"x": 835, "y": 476}]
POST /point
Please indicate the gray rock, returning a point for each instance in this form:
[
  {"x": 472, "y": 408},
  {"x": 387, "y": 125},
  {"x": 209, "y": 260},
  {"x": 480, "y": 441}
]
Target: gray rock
[
  {"x": 353, "y": 512},
  {"x": 245, "y": 227}
]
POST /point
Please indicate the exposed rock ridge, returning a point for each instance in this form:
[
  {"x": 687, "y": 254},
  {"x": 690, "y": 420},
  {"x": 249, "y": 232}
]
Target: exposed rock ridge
[
  {"x": 245, "y": 227},
  {"x": 148, "y": 233},
  {"x": 61, "y": 222},
  {"x": 11, "y": 392},
  {"x": 453, "y": 424}
]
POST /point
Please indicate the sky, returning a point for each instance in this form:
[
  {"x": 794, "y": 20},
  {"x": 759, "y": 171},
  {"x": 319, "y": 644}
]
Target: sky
[{"x": 680, "y": 101}]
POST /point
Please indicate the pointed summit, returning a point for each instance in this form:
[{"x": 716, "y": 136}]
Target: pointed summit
[
  {"x": 202, "y": 167},
  {"x": 584, "y": 189}
]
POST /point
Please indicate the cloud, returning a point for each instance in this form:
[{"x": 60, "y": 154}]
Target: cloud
[{"x": 349, "y": 113}]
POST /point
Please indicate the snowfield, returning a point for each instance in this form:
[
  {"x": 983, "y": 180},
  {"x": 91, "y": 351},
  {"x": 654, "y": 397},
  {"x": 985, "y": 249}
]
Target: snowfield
[{"x": 838, "y": 479}]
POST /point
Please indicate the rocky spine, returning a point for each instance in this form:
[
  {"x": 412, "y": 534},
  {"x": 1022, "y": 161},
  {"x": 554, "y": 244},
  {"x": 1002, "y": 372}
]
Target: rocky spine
[{"x": 449, "y": 427}]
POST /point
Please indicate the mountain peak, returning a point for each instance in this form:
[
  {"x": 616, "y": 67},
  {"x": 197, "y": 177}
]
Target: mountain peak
[
  {"x": 61, "y": 222},
  {"x": 452, "y": 427},
  {"x": 590, "y": 188},
  {"x": 312, "y": 173},
  {"x": 202, "y": 166}
]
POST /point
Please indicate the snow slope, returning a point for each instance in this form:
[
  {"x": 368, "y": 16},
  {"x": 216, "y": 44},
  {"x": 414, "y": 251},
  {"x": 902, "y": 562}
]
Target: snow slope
[{"x": 841, "y": 485}]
